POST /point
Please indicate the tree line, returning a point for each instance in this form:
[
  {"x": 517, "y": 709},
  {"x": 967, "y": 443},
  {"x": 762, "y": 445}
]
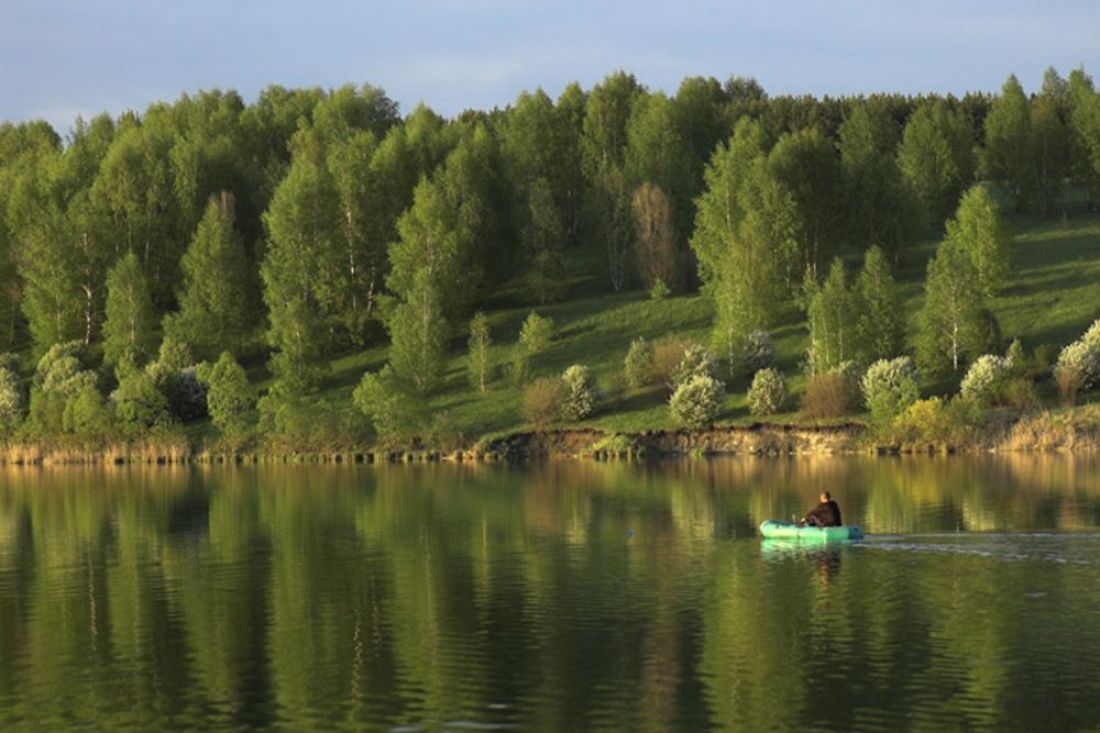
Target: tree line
[{"x": 315, "y": 222}]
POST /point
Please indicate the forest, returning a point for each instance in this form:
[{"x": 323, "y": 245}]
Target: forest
[{"x": 315, "y": 270}]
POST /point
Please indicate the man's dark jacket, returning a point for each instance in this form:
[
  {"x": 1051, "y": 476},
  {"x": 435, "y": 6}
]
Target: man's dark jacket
[{"x": 825, "y": 514}]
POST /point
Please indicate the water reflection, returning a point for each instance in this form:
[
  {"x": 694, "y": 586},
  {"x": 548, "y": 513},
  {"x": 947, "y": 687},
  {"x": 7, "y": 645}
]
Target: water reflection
[{"x": 561, "y": 596}]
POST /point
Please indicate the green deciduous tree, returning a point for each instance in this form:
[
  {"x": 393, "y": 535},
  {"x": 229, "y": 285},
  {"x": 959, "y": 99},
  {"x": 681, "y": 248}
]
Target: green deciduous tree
[
  {"x": 1050, "y": 141},
  {"x": 936, "y": 159},
  {"x": 129, "y": 334},
  {"x": 950, "y": 318},
  {"x": 302, "y": 268},
  {"x": 448, "y": 228},
  {"x": 215, "y": 303},
  {"x": 396, "y": 414},
  {"x": 135, "y": 184},
  {"x": 832, "y": 320},
  {"x": 138, "y": 404},
  {"x": 544, "y": 237},
  {"x": 657, "y": 153},
  {"x": 63, "y": 239},
  {"x": 806, "y": 165},
  {"x": 1008, "y": 155},
  {"x": 745, "y": 239},
  {"x": 418, "y": 331},
  {"x": 882, "y": 209},
  {"x": 655, "y": 237},
  {"x": 363, "y": 230},
  {"x": 879, "y": 319},
  {"x": 978, "y": 229},
  {"x": 230, "y": 398},
  {"x": 1084, "y": 122},
  {"x": 479, "y": 363},
  {"x": 603, "y": 152}
]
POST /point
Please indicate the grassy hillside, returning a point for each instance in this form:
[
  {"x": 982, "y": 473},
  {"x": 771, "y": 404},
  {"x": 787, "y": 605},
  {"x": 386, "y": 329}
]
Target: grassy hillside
[{"x": 1052, "y": 295}]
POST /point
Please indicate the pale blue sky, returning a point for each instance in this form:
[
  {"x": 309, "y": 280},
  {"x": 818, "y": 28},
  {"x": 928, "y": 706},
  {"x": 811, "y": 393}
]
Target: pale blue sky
[{"x": 61, "y": 58}]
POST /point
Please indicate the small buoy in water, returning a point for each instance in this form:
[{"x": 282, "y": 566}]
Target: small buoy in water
[{"x": 629, "y": 533}]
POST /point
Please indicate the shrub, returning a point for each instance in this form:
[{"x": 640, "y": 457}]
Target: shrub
[
  {"x": 1020, "y": 394},
  {"x": 11, "y": 400},
  {"x": 923, "y": 421},
  {"x": 767, "y": 393},
  {"x": 1017, "y": 359},
  {"x": 543, "y": 402},
  {"x": 639, "y": 366},
  {"x": 86, "y": 415},
  {"x": 889, "y": 386},
  {"x": 174, "y": 354},
  {"x": 696, "y": 361},
  {"x": 938, "y": 421},
  {"x": 659, "y": 290},
  {"x": 520, "y": 368},
  {"x": 1083, "y": 355},
  {"x": 391, "y": 407},
  {"x": 757, "y": 351},
  {"x": 667, "y": 355},
  {"x": 612, "y": 392},
  {"x": 139, "y": 405},
  {"x": 1069, "y": 383},
  {"x": 230, "y": 397},
  {"x": 697, "y": 401},
  {"x": 60, "y": 369},
  {"x": 985, "y": 379},
  {"x": 987, "y": 333},
  {"x": 58, "y": 378},
  {"x": 580, "y": 393},
  {"x": 832, "y": 394},
  {"x": 174, "y": 373},
  {"x": 445, "y": 434},
  {"x": 1042, "y": 362},
  {"x": 536, "y": 333}
]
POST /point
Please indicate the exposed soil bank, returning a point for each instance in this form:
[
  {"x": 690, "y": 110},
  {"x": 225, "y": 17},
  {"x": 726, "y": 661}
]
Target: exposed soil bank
[
  {"x": 1075, "y": 430},
  {"x": 758, "y": 439}
]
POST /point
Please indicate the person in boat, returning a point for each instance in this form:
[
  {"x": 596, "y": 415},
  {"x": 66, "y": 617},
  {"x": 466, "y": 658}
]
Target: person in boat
[{"x": 825, "y": 514}]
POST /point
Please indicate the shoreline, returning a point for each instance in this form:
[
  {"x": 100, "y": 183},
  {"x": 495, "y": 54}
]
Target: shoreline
[{"x": 1043, "y": 432}]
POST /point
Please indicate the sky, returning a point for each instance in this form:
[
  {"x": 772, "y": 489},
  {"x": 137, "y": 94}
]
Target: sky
[{"x": 64, "y": 58}]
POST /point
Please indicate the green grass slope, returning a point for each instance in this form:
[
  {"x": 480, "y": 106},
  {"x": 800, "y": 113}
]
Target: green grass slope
[{"x": 1051, "y": 296}]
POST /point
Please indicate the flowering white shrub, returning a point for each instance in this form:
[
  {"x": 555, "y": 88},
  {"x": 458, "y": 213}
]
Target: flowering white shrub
[
  {"x": 890, "y": 386},
  {"x": 986, "y": 378},
  {"x": 11, "y": 400},
  {"x": 697, "y": 361},
  {"x": 697, "y": 401},
  {"x": 767, "y": 393},
  {"x": 580, "y": 393},
  {"x": 1083, "y": 356}
]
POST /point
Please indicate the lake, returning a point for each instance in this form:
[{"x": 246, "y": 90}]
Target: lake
[{"x": 557, "y": 596}]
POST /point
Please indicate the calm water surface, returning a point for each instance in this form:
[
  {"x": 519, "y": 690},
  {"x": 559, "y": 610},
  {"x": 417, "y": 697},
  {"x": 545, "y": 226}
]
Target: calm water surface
[{"x": 569, "y": 596}]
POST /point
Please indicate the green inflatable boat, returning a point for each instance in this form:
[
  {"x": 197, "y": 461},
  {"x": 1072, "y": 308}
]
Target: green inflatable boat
[{"x": 773, "y": 529}]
